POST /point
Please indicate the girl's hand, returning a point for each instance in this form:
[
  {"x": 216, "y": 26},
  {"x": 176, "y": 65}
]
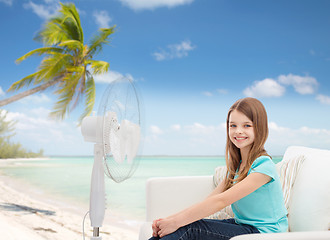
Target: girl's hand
[
  {"x": 166, "y": 226},
  {"x": 155, "y": 228}
]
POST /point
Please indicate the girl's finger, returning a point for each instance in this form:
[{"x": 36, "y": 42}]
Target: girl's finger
[{"x": 154, "y": 223}]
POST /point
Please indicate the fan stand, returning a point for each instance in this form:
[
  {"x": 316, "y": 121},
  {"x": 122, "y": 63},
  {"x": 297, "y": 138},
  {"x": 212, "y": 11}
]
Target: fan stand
[{"x": 97, "y": 194}]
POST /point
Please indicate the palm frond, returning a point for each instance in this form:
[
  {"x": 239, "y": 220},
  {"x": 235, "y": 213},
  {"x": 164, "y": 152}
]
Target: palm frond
[
  {"x": 71, "y": 79},
  {"x": 99, "y": 40},
  {"x": 89, "y": 96},
  {"x": 81, "y": 88},
  {"x": 98, "y": 67},
  {"x": 74, "y": 69},
  {"x": 72, "y": 45},
  {"x": 66, "y": 94},
  {"x": 39, "y": 52},
  {"x": 71, "y": 17},
  {"x": 71, "y": 30},
  {"x": 64, "y": 26},
  {"x": 61, "y": 107},
  {"x": 53, "y": 66},
  {"x": 52, "y": 32},
  {"x": 24, "y": 82}
]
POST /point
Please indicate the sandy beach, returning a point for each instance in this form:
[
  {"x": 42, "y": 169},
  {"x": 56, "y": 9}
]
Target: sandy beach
[{"x": 25, "y": 214}]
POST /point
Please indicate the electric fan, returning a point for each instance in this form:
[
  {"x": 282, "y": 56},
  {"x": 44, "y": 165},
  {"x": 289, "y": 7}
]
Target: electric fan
[{"x": 116, "y": 132}]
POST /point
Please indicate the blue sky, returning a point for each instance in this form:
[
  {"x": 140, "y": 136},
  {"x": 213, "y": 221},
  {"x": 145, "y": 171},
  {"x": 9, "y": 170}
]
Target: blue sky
[{"x": 191, "y": 60}]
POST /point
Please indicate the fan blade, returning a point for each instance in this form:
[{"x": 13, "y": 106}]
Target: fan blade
[
  {"x": 110, "y": 133},
  {"x": 112, "y": 138},
  {"x": 130, "y": 139},
  {"x": 121, "y": 140}
]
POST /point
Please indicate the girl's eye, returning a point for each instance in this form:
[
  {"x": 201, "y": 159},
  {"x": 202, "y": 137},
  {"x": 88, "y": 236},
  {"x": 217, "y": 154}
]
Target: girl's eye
[
  {"x": 248, "y": 125},
  {"x": 232, "y": 125}
]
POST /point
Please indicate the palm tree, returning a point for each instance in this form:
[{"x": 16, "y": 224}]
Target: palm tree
[
  {"x": 68, "y": 65},
  {"x": 7, "y": 127}
]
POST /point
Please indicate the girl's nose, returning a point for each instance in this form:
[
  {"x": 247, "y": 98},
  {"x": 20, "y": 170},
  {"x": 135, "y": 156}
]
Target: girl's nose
[{"x": 239, "y": 130}]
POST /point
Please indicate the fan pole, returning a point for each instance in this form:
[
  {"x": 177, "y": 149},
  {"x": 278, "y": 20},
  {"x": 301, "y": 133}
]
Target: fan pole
[{"x": 97, "y": 194}]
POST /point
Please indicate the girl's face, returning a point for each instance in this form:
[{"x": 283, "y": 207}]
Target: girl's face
[{"x": 241, "y": 130}]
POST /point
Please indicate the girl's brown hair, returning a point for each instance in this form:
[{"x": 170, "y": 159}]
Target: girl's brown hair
[{"x": 256, "y": 112}]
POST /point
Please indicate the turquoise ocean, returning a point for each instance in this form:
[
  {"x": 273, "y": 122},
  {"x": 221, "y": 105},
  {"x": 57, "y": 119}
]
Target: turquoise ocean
[{"x": 68, "y": 178}]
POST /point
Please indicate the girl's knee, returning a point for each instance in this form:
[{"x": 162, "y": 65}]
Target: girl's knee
[{"x": 187, "y": 232}]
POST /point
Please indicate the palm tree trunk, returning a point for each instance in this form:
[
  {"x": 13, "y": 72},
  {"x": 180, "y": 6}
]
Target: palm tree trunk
[{"x": 28, "y": 92}]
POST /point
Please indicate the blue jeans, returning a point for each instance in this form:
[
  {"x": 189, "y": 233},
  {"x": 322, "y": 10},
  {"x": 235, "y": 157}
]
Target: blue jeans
[{"x": 209, "y": 229}]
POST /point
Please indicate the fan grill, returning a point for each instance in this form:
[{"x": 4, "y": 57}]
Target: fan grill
[{"x": 120, "y": 102}]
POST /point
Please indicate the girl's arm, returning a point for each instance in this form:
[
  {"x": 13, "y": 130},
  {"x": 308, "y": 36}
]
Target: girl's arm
[
  {"x": 216, "y": 201},
  {"x": 219, "y": 189}
]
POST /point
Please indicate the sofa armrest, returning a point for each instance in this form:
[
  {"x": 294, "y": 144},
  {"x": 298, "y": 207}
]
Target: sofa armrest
[
  {"x": 168, "y": 195},
  {"x": 145, "y": 231},
  {"x": 315, "y": 235}
]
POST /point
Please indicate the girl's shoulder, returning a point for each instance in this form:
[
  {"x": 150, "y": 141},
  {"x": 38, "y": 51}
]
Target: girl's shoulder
[
  {"x": 262, "y": 160},
  {"x": 265, "y": 165}
]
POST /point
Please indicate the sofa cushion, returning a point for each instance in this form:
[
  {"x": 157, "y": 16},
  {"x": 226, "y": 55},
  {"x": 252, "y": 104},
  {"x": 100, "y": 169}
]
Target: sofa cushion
[
  {"x": 310, "y": 197},
  {"x": 219, "y": 175},
  {"x": 227, "y": 212},
  {"x": 288, "y": 170}
]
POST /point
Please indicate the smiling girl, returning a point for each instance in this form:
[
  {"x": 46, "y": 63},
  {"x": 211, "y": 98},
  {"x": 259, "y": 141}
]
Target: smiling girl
[{"x": 252, "y": 186}]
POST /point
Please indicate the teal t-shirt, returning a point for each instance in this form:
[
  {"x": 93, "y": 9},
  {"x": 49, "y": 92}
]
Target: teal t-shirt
[{"x": 264, "y": 208}]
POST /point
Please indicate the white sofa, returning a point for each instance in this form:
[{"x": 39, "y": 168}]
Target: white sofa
[{"x": 309, "y": 211}]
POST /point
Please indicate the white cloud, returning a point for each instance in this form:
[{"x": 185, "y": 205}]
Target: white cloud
[
  {"x": 208, "y": 94},
  {"x": 302, "y": 85},
  {"x": 176, "y": 127},
  {"x": 152, "y": 4},
  {"x": 191, "y": 139},
  {"x": 154, "y": 137},
  {"x": 36, "y": 99},
  {"x": 102, "y": 18},
  {"x": 7, "y": 2},
  {"x": 274, "y": 87},
  {"x": 156, "y": 130},
  {"x": 200, "y": 136},
  {"x": 111, "y": 76},
  {"x": 29, "y": 122},
  {"x": 282, "y": 137},
  {"x": 315, "y": 131},
  {"x": 41, "y": 111},
  {"x": 44, "y": 11},
  {"x": 2, "y": 93},
  {"x": 35, "y": 130},
  {"x": 265, "y": 88},
  {"x": 274, "y": 127},
  {"x": 174, "y": 51},
  {"x": 201, "y": 129},
  {"x": 323, "y": 99}
]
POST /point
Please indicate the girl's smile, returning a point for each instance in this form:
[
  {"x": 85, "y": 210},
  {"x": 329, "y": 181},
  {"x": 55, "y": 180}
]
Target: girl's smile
[{"x": 240, "y": 138}]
